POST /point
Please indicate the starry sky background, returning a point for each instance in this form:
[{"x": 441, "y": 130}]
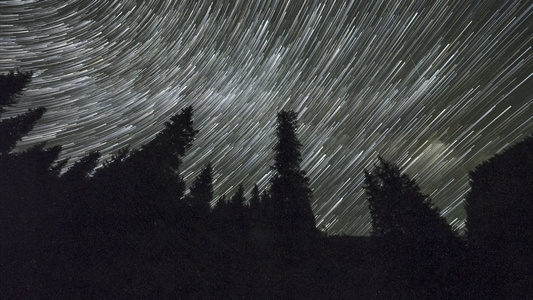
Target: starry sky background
[{"x": 435, "y": 86}]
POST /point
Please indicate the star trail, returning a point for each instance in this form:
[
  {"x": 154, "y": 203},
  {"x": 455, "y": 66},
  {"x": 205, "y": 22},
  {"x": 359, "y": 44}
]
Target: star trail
[{"x": 435, "y": 86}]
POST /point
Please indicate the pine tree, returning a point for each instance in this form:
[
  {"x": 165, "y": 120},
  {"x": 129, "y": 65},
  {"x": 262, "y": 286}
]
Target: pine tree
[
  {"x": 238, "y": 211},
  {"x": 13, "y": 129},
  {"x": 237, "y": 202},
  {"x": 289, "y": 190},
  {"x": 255, "y": 199},
  {"x": 499, "y": 204},
  {"x": 399, "y": 209},
  {"x": 81, "y": 169},
  {"x": 221, "y": 207},
  {"x": 170, "y": 145},
  {"x": 155, "y": 166},
  {"x": 255, "y": 207},
  {"x": 22, "y": 174},
  {"x": 201, "y": 192},
  {"x": 28, "y": 185},
  {"x": 149, "y": 186},
  {"x": 421, "y": 252},
  {"x": 17, "y": 169},
  {"x": 136, "y": 192},
  {"x": 37, "y": 162}
]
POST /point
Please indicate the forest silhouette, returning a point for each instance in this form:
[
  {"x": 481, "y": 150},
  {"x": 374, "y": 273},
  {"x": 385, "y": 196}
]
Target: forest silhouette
[{"x": 130, "y": 228}]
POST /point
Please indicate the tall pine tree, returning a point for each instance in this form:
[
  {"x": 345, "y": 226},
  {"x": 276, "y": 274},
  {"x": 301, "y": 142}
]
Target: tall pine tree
[{"x": 290, "y": 193}]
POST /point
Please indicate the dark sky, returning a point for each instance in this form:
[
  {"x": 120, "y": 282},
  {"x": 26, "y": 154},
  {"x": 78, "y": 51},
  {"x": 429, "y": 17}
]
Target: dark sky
[{"x": 435, "y": 86}]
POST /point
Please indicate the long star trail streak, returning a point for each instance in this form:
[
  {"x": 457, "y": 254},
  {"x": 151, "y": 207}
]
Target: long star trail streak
[{"x": 436, "y": 86}]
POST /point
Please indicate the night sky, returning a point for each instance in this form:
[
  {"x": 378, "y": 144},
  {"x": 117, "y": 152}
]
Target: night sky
[{"x": 435, "y": 86}]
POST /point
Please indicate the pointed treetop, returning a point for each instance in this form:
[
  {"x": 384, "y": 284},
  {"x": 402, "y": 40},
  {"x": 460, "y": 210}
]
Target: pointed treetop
[
  {"x": 290, "y": 193},
  {"x": 255, "y": 199},
  {"x": 82, "y": 168},
  {"x": 238, "y": 198},
  {"x": 170, "y": 144},
  {"x": 287, "y": 148},
  {"x": 202, "y": 188}
]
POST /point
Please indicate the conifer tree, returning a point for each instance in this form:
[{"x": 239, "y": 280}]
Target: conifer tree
[
  {"x": 219, "y": 214},
  {"x": 155, "y": 166},
  {"x": 81, "y": 169},
  {"x": 170, "y": 145},
  {"x": 255, "y": 207},
  {"x": 238, "y": 210},
  {"x": 37, "y": 162},
  {"x": 202, "y": 191},
  {"x": 399, "y": 209},
  {"x": 255, "y": 199},
  {"x": 151, "y": 176},
  {"x": 27, "y": 189},
  {"x": 140, "y": 189},
  {"x": 22, "y": 173},
  {"x": 13, "y": 129},
  {"x": 422, "y": 254},
  {"x": 221, "y": 206},
  {"x": 237, "y": 201},
  {"x": 289, "y": 191},
  {"x": 17, "y": 169}
]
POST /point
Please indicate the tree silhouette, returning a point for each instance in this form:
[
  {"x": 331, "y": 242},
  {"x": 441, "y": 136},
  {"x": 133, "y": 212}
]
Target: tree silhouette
[
  {"x": 499, "y": 225},
  {"x": 127, "y": 216},
  {"x": 255, "y": 199},
  {"x": 231, "y": 217},
  {"x": 23, "y": 175},
  {"x": 399, "y": 209},
  {"x": 13, "y": 129},
  {"x": 289, "y": 190},
  {"x": 74, "y": 200},
  {"x": 420, "y": 249},
  {"x": 81, "y": 169},
  {"x": 255, "y": 208},
  {"x": 28, "y": 185},
  {"x": 155, "y": 166},
  {"x": 239, "y": 213},
  {"x": 19, "y": 169},
  {"x": 220, "y": 210},
  {"x": 172, "y": 142},
  {"x": 202, "y": 191},
  {"x": 144, "y": 184}
]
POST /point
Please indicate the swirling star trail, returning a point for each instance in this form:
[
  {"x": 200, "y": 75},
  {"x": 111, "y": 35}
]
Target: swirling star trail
[{"x": 436, "y": 86}]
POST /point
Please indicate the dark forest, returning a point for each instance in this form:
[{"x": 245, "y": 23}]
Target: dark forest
[{"x": 130, "y": 227}]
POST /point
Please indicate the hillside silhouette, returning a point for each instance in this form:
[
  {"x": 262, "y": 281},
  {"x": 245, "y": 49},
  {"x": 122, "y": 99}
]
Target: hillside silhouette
[{"x": 130, "y": 228}]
